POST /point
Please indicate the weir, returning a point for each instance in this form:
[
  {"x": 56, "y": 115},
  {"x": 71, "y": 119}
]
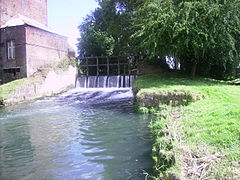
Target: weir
[
  {"x": 119, "y": 81},
  {"x": 107, "y": 71}
]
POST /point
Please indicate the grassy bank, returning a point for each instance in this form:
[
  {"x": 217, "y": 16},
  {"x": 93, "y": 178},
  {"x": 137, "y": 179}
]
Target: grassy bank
[
  {"x": 199, "y": 139},
  {"x": 6, "y": 90}
]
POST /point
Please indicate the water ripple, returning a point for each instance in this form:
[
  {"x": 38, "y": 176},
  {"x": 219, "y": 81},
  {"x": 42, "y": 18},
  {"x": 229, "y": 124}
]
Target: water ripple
[{"x": 81, "y": 134}]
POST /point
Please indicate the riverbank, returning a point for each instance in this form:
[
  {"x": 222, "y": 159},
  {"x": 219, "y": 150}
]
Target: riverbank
[
  {"x": 46, "y": 82},
  {"x": 196, "y": 130}
]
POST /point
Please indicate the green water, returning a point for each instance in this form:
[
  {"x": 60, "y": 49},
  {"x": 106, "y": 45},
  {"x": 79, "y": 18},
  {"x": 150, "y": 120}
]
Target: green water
[{"x": 79, "y": 135}]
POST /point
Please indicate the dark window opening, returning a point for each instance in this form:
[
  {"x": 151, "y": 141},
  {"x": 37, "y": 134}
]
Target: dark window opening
[
  {"x": 11, "y": 49},
  {"x": 12, "y": 71}
]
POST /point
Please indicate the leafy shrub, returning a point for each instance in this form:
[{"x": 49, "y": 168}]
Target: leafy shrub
[{"x": 67, "y": 62}]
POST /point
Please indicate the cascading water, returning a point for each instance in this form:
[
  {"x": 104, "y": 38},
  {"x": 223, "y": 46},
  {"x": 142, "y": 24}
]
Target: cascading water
[{"x": 120, "y": 81}]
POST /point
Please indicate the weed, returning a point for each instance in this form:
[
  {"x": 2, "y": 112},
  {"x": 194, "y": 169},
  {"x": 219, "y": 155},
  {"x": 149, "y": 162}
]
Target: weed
[{"x": 66, "y": 63}]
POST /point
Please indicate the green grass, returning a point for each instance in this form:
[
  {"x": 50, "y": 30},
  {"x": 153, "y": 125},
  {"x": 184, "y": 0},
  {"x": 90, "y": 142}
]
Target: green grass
[
  {"x": 6, "y": 90},
  {"x": 207, "y": 127}
]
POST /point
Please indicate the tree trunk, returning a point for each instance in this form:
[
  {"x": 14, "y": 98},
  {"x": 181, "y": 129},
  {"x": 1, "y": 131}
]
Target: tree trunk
[{"x": 194, "y": 68}]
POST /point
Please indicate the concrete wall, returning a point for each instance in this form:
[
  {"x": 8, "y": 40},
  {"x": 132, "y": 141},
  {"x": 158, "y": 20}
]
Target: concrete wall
[
  {"x": 34, "y": 9},
  {"x": 17, "y": 34},
  {"x": 55, "y": 82},
  {"x": 44, "y": 49}
]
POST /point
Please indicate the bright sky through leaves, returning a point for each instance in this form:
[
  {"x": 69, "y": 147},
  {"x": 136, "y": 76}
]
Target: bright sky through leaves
[{"x": 65, "y": 16}]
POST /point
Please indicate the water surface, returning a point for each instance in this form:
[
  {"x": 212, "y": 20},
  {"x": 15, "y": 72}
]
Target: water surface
[{"x": 78, "y": 135}]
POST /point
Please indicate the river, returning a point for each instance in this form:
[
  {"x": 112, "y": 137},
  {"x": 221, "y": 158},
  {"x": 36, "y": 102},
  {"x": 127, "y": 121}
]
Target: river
[{"x": 83, "y": 134}]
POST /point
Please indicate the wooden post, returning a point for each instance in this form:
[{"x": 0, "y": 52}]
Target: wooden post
[
  {"x": 87, "y": 68},
  {"x": 119, "y": 72},
  {"x": 128, "y": 64},
  {"x": 78, "y": 67},
  {"x": 107, "y": 66},
  {"x": 97, "y": 67},
  {"x": 137, "y": 66}
]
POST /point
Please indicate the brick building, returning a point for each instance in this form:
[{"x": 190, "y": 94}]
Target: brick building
[{"x": 26, "y": 42}]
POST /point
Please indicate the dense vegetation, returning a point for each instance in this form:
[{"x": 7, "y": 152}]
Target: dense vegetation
[
  {"x": 203, "y": 35},
  {"x": 200, "y": 140},
  {"x": 107, "y": 30},
  {"x": 197, "y": 33}
]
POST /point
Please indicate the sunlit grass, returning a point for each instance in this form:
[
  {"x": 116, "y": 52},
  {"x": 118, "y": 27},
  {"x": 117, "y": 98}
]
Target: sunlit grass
[
  {"x": 212, "y": 122},
  {"x": 7, "y": 89}
]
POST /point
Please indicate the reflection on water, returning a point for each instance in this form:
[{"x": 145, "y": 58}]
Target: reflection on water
[{"x": 79, "y": 135}]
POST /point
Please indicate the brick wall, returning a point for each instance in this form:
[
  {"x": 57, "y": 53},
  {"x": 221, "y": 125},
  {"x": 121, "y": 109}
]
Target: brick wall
[
  {"x": 17, "y": 34},
  {"x": 34, "y": 9},
  {"x": 35, "y": 48},
  {"x": 44, "y": 49}
]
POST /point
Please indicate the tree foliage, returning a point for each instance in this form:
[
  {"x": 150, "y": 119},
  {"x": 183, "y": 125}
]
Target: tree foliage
[
  {"x": 113, "y": 21},
  {"x": 197, "y": 32},
  {"x": 95, "y": 42}
]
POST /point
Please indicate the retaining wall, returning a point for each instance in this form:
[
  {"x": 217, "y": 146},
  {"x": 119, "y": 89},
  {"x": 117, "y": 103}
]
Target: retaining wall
[{"x": 56, "y": 81}]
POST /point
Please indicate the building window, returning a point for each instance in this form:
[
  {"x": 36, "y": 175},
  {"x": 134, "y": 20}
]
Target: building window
[{"x": 11, "y": 49}]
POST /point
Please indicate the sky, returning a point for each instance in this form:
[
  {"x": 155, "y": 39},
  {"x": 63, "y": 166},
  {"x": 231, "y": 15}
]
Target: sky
[{"x": 64, "y": 16}]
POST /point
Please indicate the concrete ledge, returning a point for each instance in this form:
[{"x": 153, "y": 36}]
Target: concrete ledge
[
  {"x": 173, "y": 97},
  {"x": 56, "y": 81}
]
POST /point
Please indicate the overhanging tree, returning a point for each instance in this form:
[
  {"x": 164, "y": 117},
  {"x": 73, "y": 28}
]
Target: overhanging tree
[{"x": 205, "y": 31}]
